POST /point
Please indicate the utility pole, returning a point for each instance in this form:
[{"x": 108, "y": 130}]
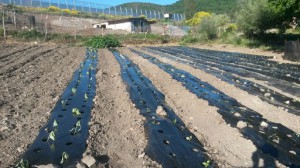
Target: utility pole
[{"x": 3, "y": 23}]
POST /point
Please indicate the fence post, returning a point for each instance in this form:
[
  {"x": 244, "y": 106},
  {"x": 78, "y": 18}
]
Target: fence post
[
  {"x": 90, "y": 8},
  {"x": 3, "y": 23},
  {"x": 126, "y": 11},
  {"x": 21, "y": 2},
  {"x": 81, "y": 6},
  {"x": 115, "y": 10}
]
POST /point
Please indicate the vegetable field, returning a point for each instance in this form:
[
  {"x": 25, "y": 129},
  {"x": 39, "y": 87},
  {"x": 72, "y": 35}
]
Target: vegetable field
[{"x": 146, "y": 107}]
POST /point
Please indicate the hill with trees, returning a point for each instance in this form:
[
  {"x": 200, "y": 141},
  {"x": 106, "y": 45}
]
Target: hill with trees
[{"x": 212, "y": 6}]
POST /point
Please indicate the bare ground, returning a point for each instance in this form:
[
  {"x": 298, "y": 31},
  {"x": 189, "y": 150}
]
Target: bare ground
[{"x": 29, "y": 91}]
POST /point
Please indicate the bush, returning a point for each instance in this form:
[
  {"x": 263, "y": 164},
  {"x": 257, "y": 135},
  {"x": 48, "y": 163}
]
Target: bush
[
  {"x": 53, "y": 9},
  {"x": 74, "y": 12},
  {"x": 67, "y": 11},
  {"x": 103, "y": 42},
  {"x": 255, "y": 16},
  {"x": 27, "y": 35},
  {"x": 210, "y": 25}
]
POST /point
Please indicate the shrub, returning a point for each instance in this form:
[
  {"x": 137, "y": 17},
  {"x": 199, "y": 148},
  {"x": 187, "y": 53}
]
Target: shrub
[
  {"x": 103, "y": 42},
  {"x": 211, "y": 25},
  {"x": 32, "y": 34},
  {"x": 67, "y": 11},
  {"x": 197, "y": 18},
  {"x": 53, "y": 9},
  {"x": 231, "y": 27},
  {"x": 74, "y": 12}
]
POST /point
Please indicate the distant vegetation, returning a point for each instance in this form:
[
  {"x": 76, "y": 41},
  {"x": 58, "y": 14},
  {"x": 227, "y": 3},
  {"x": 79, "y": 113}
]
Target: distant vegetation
[{"x": 212, "y": 6}]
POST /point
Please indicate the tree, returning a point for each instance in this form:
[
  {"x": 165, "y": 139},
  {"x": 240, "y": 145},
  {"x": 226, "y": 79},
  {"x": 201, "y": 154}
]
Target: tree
[
  {"x": 285, "y": 10},
  {"x": 190, "y": 8},
  {"x": 255, "y": 16}
]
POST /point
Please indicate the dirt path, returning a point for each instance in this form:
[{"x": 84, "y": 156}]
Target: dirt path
[
  {"x": 203, "y": 120},
  {"x": 29, "y": 92},
  {"x": 270, "y": 112},
  {"x": 117, "y": 137}
]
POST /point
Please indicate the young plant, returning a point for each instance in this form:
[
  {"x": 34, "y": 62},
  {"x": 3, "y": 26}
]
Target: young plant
[
  {"x": 73, "y": 90},
  {"x": 22, "y": 164},
  {"x": 189, "y": 138},
  {"x": 64, "y": 157},
  {"x": 55, "y": 124},
  {"x": 206, "y": 164},
  {"x": 174, "y": 121},
  {"x": 87, "y": 72},
  {"x": 76, "y": 129},
  {"x": 89, "y": 85},
  {"x": 51, "y": 136},
  {"x": 76, "y": 111},
  {"x": 64, "y": 103},
  {"x": 86, "y": 97}
]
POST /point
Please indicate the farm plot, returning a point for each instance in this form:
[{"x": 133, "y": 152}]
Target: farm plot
[
  {"x": 152, "y": 107},
  {"x": 256, "y": 128},
  {"x": 31, "y": 83}
]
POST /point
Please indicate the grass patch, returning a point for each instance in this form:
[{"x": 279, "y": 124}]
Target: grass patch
[{"x": 103, "y": 42}]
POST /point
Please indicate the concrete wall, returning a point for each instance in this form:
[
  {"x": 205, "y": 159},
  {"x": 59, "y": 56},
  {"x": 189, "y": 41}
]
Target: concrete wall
[{"x": 121, "y": 26}]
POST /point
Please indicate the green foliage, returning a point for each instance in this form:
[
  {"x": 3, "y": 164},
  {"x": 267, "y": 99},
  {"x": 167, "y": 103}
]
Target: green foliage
[
  {"x": 76, "y": 112},
  {"x": 206, "y": 164},
  {"x": 286, "y": 9},
  {"x": 255, "y": 16},
  {"x": 64, "y": 157},
  {"x": 22, "y": 164},
  {"x": 211, "y": 25},
  {"x": 28, "y": 35},
  {"x": 196, "y": 19},
  {"x": 190, "y": 8},
  {"x": 53, "y": 9},
  {"x": 103, "y": 42}
]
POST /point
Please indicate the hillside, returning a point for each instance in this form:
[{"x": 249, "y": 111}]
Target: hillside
[{"x": 214, "y": 6}]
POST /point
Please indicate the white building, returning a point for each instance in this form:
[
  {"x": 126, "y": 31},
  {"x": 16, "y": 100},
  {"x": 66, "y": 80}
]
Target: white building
[{"x": 129, "y": 25}]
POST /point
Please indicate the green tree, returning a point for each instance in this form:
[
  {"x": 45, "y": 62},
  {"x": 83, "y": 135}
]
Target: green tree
[
  {"x": 190, "y": 8},
  {"x": 255, "y": 16},
  {"x": 285, "y": 10},
  {"x": 212, "y": 25}
]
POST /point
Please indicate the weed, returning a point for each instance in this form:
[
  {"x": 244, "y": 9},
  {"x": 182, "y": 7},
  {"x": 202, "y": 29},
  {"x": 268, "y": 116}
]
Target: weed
[
  {"x": 103, "y": 42},
  {"x": 64, "y": 157}
]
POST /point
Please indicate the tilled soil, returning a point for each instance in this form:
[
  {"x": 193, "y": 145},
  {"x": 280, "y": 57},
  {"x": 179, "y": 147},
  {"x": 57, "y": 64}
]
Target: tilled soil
[
  {"x": 33, "y": 78},
  {"x": 117, "y": 137},
  {"x": 31, "y": 83},
  {"x": 204, "y": 119}
]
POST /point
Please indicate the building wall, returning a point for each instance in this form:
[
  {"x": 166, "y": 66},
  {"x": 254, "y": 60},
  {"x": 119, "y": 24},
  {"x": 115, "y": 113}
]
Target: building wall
[{"x": 121, "y": 26}]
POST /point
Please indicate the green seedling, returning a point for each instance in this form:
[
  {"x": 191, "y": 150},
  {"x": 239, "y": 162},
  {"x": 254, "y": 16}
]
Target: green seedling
[
  {"x": 174, "y": 121},
  {"x": 77, "y": 128},
  {"x": 189, "y": 138},
  {"x": 73, "y": 90},
  {"x": 76, "y": 111},
  {"x": 81, "y": 65},
  {"x": 87, "y": 72},
  {"x": 22, "y": 164},
  {"x": 51, "y": 136},
  {"x": 55, "y": 124},
  {"x": 91, "y": 78},
  {"x": 78, "y": 81},
  {"x": 85, "y": 97},
  {"x": 206, "y": 164},
  {"x": 80, "y": 75},
  {"x": 89, "y": 85},
  {"x": 64, "y": 157},
  {"x": 64, "y": 103}
]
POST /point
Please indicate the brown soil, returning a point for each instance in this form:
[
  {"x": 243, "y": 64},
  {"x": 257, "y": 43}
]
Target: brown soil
[
  {"x": 203, "y": 119},
  {"x": 32, "y": 79},
  {"x": 117, "y": 135}
]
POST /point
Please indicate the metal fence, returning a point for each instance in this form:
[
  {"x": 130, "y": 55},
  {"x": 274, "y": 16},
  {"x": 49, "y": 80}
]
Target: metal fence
[{"x": 92, "y": 7}]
